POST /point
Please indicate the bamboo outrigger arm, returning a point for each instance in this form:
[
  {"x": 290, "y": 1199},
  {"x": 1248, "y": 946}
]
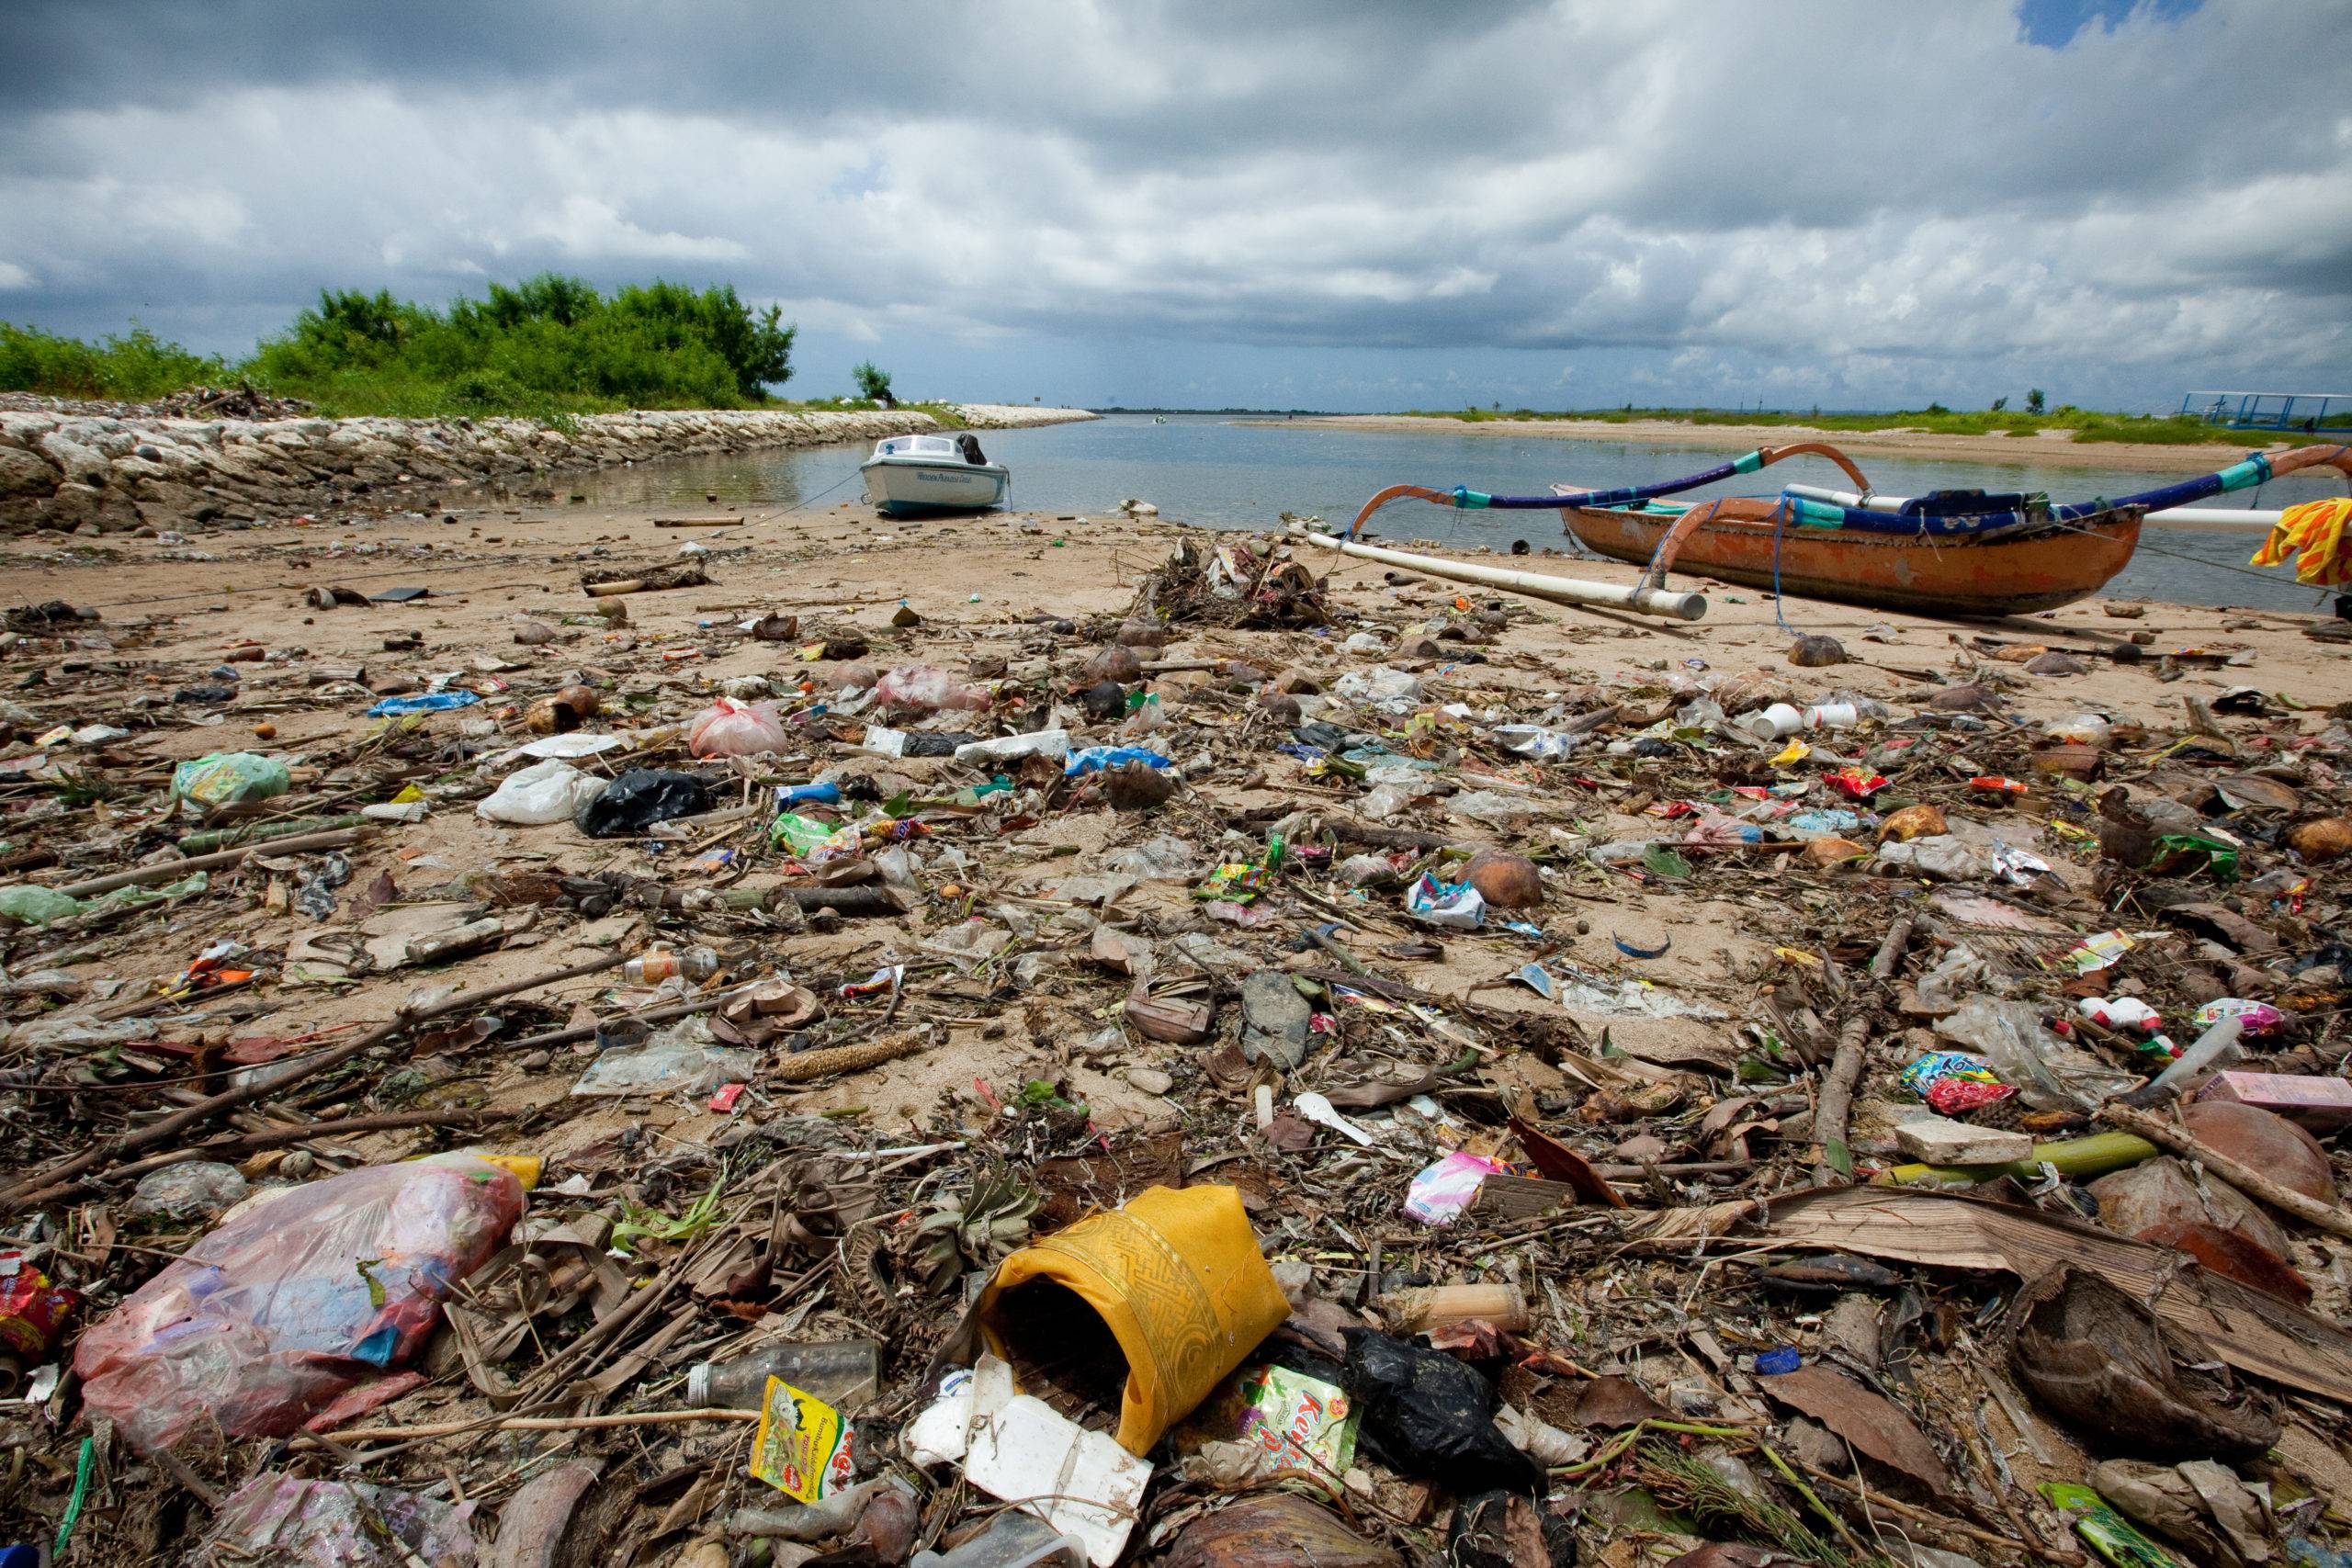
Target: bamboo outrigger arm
[
  {"x": 1465, "y": 498},
  {"x": 1641, "y": 599}
]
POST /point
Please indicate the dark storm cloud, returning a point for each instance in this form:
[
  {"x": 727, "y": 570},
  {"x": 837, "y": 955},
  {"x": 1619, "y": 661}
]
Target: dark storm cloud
[{"x": 1805, "y": 182}]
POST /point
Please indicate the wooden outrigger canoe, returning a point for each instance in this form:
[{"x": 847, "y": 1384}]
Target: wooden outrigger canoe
[
  {"x": 1953, "y": 552},
  {"x": 2039, "y": 564}
]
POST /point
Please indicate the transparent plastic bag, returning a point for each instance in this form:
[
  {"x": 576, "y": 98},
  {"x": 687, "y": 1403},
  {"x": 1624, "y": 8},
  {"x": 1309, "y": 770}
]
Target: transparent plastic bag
[
  {"x": 294, "y": 1299},
  {"x": 730, "y": 728},
  {"x": 2050, "y": 1073},
  {"x": 926, "y": 688},
  {"x": 552, "y": 791},
  {"x": 285, "y": 1518}
]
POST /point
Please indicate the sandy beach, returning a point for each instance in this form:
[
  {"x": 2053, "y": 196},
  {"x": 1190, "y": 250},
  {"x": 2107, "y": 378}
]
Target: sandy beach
[{"x": 2046, "y": 449}]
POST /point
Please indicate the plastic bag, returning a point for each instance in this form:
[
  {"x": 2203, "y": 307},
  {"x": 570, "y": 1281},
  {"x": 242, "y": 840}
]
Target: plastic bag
[
  {"x": 2050, "y": 1074},
  {"x": 552, "y": 791},
  {"x": 812, "y": 842},
  {"x": 1380, "y": 688},
  {"x": 425, "y": 701},
  {"x": 285, "y": 1518},
  {"x": 1452, "y": 904},
  {"x": 191, "y": 1189},
  {"x": 230, "y": 778},
  {"x": 926, "y": 688},
  {"x": 33, "y": 905},
  {"x": 1426, "y": 1414},
  {"x": 639, "y": 798},
  {"x": 295, "y": 1299},
  {"x": 1094, "y": 759},
  {"x": 730, "y": 728},
  {"x": 1439, "y": 1193}
]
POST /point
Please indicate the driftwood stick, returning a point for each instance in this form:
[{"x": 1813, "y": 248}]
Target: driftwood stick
[
  {"x": 1889, "y": 957},
  {"x": 537, "y": 1424},
  {"x": 276, "y": 1137},
  {"x": 167, "y": 870},
  {"x": 2168, "y": 1135},
  {"x": 263, "y": 1085},
  {"x": 1836, "y": 1106}
]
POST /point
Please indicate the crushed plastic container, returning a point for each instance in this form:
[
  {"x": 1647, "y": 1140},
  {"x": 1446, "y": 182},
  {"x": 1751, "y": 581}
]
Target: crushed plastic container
[
  {"x": 1052, "y": 744},
  {"x": 295, "y": 1299},
  {"x": 846, "y": 1376},
  {"x": 1171, "y": 1269}
]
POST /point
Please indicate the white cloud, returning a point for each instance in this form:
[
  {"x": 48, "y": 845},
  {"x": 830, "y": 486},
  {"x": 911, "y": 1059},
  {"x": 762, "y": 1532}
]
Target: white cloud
[{"x": 1856, "y": 199}]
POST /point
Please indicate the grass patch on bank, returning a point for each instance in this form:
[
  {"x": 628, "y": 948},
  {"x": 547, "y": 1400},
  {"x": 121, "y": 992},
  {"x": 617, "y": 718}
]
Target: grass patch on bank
[
  {"x": 547, "y": 348},
  {"x": 2087, "y": 424}
]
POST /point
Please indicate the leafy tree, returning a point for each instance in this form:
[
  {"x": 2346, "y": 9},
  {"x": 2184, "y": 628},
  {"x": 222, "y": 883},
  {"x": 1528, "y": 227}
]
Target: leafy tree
[
  {"x": 2033, "y": 401},
  {"x": 2000, "y": 403},
  {"x": 873, "y": 383}
]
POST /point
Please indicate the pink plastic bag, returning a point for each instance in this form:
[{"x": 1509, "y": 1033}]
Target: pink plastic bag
[
  {"x": 730, "y": 728},
  {"x": 295, "y": 1300},
  {"x": 926, "y": 688}
]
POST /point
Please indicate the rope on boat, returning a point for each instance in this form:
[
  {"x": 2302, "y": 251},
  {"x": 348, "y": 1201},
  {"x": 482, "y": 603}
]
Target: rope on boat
[{"x": 1780, "y": 526}]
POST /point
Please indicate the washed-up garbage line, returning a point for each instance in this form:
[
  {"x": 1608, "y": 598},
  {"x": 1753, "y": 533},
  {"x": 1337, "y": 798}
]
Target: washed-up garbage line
[
  {"x": 1333, "y": 1206},
  {"x": 266, "y": 1082}
]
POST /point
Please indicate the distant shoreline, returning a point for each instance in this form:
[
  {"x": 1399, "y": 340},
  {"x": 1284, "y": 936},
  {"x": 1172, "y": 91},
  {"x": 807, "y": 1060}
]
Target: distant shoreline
[{"x": 2050, "y": 448}]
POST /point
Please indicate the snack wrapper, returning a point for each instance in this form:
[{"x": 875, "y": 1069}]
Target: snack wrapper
[{"x": 802, "y": 1447}]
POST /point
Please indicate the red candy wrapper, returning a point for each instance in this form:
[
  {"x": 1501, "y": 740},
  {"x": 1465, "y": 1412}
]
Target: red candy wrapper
[
  {"x": 1951, "y": 1096},
  {"x": 32, "y": 1309}
]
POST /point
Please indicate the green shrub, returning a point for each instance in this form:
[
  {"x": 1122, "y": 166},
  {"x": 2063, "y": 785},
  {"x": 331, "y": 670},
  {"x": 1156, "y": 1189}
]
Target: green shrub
[{"x": 135, "y": 365}]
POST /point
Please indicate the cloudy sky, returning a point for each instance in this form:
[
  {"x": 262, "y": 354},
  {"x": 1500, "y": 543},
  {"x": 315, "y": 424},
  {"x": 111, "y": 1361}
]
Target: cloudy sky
[{"x": 1373, "y": 204}]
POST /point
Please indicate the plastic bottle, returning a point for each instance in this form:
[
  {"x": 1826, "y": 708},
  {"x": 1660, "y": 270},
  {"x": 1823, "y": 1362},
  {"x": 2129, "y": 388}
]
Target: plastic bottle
[
  {"x": 789, "y": 795},
  {"x": 1832, "y": 715},
  {"x": 1053, "y": 744},
  {"x": 845, "y": 1375},
  {"x": 652, "y": 968},
  {"x": 2083, "y": 729},
  {"x": 2215, "y": 1049},
  {"x": 1015, "y": 1540}
]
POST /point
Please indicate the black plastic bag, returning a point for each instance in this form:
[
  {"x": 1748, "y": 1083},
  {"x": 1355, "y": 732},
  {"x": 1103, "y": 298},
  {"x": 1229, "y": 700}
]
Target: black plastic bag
[
  {"x": 1503, "y": 1530},
  {"x": 639, "y": 798},
  {"x": 1429, "y": 1415}
]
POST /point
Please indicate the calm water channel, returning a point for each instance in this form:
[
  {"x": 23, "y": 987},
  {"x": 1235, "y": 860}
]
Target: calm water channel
[{"x": 1222, "y": 473}]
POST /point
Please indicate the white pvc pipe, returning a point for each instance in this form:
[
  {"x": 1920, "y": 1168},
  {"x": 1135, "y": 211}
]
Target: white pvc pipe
[
  {"x": 1535, "y": 585},
  {"x": 2169, "y": 515}
]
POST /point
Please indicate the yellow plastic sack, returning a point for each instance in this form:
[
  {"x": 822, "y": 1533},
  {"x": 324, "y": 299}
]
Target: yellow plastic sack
[{"x": 1177, "y": 1278}]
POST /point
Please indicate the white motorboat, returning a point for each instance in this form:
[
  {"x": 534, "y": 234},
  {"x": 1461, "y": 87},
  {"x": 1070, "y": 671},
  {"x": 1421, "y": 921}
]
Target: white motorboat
[{"x": 913, "y": 474}]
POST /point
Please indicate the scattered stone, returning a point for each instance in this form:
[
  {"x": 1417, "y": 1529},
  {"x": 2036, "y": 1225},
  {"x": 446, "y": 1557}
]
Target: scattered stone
[{"x": 1931, "y": 1140}]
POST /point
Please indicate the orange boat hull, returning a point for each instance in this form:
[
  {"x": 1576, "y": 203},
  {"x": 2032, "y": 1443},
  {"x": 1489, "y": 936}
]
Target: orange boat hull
[{"x": 1944, "y": 576}]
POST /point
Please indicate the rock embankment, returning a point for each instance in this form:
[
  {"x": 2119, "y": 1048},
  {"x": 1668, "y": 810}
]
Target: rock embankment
[{"x": 67, "y": 470}]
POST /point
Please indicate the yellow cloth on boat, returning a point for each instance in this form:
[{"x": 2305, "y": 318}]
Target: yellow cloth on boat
[{"x": 2319, "y": 535}]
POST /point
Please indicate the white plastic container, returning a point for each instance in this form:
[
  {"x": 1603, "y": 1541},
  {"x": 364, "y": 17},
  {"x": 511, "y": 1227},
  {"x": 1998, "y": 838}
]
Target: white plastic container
[
  {"x": 1832, "y": 715},
  {"x": 1773, "y": 723}
]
